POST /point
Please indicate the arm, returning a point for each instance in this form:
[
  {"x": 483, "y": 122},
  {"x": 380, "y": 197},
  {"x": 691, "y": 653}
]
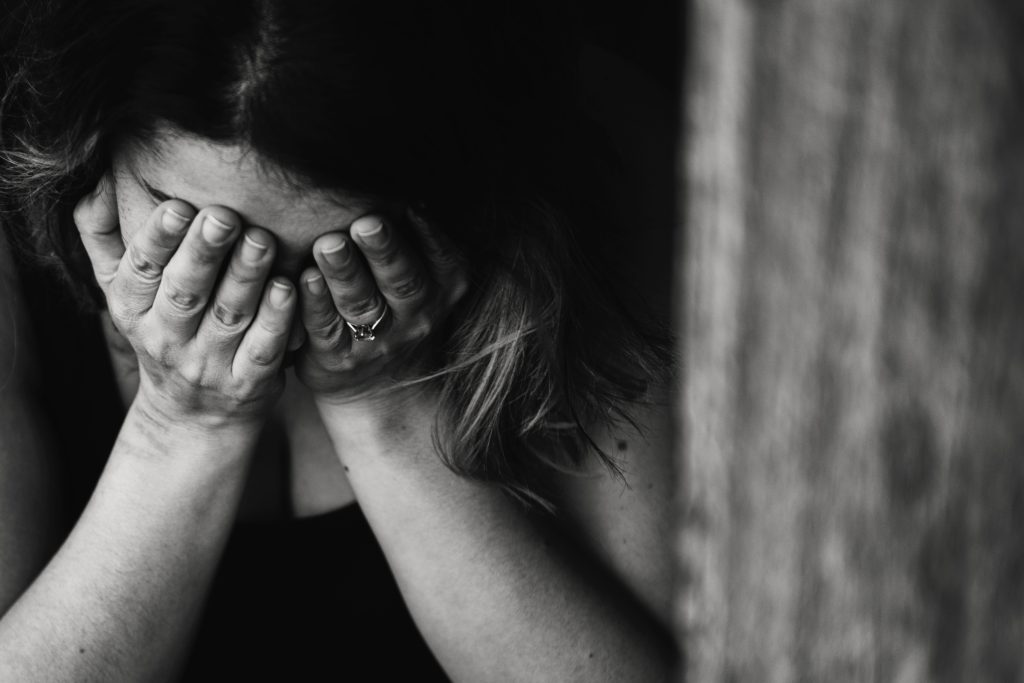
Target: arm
[
  {"x": 500, "y": 594},
  {"x": 119, "y": 599}
]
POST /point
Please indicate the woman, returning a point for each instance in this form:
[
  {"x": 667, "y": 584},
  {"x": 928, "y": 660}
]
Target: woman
[{"x": 357, "y": 253}]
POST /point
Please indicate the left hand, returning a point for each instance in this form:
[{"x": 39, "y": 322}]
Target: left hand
[{"x": 373, "y": 275}]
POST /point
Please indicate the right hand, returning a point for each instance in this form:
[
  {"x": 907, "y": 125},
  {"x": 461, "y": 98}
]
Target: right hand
[{"x": 209, "y": 352}]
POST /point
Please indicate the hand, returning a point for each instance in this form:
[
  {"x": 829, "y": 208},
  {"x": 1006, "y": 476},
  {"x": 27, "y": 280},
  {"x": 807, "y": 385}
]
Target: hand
[
  {"x": 373, "y": 275},
  {"x": 209, "y": 352}
]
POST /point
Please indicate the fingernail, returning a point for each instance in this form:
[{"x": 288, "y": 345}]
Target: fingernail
[
  {"x": 374, "y": 234},
  {"x": 279, "y": 293},
  {"x": 336, "y": 254},
  {"x": 216, "y": 231},
  {"x": 252, "y": 250},
  {"x": 315, "y": 284},
  {"x": 174, "y": 221}
]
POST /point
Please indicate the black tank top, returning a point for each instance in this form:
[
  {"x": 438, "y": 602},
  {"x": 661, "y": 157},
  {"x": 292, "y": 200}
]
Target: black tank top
[{"x": 309, "y": 599}]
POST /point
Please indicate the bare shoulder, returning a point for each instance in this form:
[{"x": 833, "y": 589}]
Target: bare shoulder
[{"x": 627, "y": 520}]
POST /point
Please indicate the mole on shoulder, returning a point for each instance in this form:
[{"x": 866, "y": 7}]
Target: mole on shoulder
[
  {"x": 622, "y": 445},
  {"x": 346, "y": 468}
]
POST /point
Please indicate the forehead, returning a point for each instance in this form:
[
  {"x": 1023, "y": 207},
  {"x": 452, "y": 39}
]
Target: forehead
[{"x": 204, "y": 173}]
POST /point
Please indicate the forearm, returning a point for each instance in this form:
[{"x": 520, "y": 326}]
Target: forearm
[
  {"x": 119, "y": 599},
  {"x": 498, "y": 594}
]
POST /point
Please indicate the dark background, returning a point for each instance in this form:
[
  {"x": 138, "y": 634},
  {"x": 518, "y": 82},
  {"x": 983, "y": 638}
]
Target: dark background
[{"x": 645, "y": 33}]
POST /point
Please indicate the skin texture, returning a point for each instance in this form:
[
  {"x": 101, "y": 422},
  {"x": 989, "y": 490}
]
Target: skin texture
[
  {"x": 302, "y": 227},
  {"x": 121, "y": 596},
  {"x": 206, "y": 174},
  {"x": 583, "y": 598}
]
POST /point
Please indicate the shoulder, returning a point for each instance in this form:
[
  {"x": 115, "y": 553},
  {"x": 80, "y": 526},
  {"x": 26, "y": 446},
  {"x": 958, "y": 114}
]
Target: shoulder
[{"x": 627, "y": 520}]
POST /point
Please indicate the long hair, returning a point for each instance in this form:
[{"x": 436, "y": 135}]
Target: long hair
[{"x": 468, "y": 109}]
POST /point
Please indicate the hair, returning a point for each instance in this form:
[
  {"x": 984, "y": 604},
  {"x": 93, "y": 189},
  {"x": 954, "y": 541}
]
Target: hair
[{"x": 470, "y": 110}]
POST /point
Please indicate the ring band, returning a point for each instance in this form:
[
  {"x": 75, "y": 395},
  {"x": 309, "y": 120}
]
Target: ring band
[{"x": 366, "y": 332}]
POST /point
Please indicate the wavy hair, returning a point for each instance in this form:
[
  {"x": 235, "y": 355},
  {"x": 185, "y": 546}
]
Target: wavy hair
[{"x": 468, "y": 109}]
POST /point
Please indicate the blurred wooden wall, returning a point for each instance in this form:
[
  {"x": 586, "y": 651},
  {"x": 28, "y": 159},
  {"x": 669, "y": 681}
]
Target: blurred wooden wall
[{"x": 853, "y": 339}]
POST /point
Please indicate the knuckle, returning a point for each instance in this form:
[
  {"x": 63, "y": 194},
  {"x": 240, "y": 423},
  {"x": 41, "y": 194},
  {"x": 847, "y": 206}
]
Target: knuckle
[
  {"x": 151, "y": 348},
  {"x": 406, "y": 287},
  {"x": 143, "y": 266},
  {"x": 192, "y": 370},
  {"x": 261, "y": 355},
  {"x": 362, "y": 307},
  {"x": 327, "y": 328},
  {"x": 180, "y": 298},
  {"x": 228, "y": 316}
]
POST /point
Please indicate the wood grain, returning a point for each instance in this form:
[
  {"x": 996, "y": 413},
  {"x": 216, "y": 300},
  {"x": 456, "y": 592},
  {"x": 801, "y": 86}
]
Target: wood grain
[{"x": 852, "y": 406}]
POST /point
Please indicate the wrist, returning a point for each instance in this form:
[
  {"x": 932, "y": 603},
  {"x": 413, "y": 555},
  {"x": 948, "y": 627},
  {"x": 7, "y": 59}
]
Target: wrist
[
  {"x": 150, "y": 429},
  {"x": 151, "y": 405},
  {"x": 395, "y": 423}
]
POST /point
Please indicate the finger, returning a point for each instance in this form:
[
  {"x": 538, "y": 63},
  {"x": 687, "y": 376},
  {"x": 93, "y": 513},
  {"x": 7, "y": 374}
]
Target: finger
[
  {"x": 443, "y": 259},
  {"x": 238, "y": 295},
  {"x": 148, "y": 253},
  {"x": 350, "y": 283},
  {"x": 263, "y": 346},
  {"x": 326, "y": 331},
  {"x": 189, "y": 278},
  {"x": 298, "y": 335},
  {"x": 400, "y": 276},
  {"x": 95, "y": 216}
]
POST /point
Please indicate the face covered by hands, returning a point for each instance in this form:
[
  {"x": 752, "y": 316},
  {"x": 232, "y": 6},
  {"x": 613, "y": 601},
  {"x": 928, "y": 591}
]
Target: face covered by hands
[
  {"x": 209, "y": 339},
  {"x": 393, "y": 279}
]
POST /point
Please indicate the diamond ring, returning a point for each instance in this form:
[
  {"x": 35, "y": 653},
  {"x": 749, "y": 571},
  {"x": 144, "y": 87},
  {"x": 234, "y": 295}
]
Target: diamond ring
[{"x": 366, "y": 332}]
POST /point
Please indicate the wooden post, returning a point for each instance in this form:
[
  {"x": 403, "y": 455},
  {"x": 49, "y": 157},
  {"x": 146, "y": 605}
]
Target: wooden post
[{"x": 853, "y": 336}]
